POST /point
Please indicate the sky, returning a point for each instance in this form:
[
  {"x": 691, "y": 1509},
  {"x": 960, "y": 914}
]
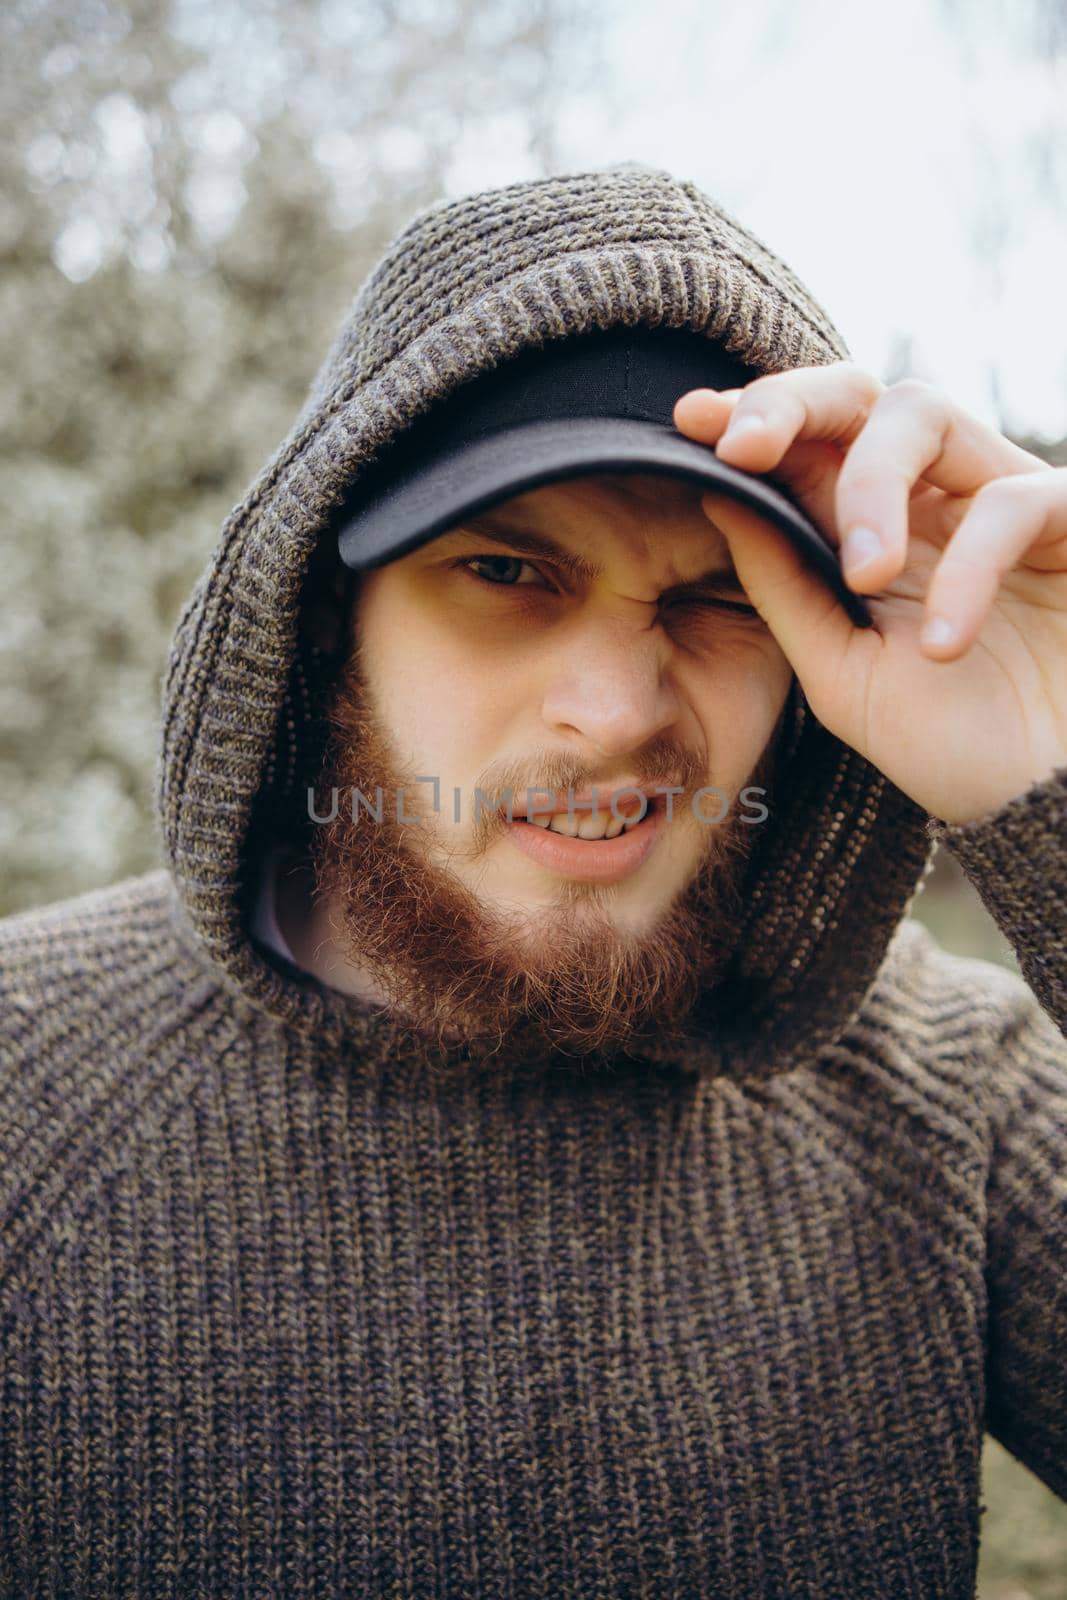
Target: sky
[
  {"x": 889, "y": 150},
  {"x": 883, "y": 150}
]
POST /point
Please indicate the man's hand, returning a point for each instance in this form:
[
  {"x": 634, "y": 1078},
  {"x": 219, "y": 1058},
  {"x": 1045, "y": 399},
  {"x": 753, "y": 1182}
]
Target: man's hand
[{"x": 958, "y": 693}]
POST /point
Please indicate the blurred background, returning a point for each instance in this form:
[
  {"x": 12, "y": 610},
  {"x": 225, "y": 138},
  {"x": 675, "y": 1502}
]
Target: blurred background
[{"x": 191, "y": 191}]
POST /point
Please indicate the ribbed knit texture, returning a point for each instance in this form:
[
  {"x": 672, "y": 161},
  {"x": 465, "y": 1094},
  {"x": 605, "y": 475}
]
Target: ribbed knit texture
[{"x": 285, "y": 1314}]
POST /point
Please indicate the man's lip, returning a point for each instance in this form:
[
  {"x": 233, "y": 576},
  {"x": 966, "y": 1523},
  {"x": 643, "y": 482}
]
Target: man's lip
[
  {"x": 628, "y": 795},
  {"x": 587, "y": 860}
]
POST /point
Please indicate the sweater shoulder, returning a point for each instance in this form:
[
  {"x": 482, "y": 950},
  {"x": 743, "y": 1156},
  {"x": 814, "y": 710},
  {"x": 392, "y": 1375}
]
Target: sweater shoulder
[
  {"x": 901, "y": 1108},
  {"x": 934, "y": 1040},
  {"x": 48, "y": 928},
  {"x": 64, "y": 963},
  {"x": 925, "y": 994},
  {"x": 104, "y": 1019}
]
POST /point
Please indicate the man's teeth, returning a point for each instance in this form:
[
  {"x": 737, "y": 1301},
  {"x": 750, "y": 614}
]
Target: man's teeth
[{"x": 600, "y": 825}]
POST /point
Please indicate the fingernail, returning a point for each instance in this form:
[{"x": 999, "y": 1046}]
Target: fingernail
[
  {"x": 937, "y": 631},
  {"x": 861, "y": 547},
  {"x": 743, "y": 426}
]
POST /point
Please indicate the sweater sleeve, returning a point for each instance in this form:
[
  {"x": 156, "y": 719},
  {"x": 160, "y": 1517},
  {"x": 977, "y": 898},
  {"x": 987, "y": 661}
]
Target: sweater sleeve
[{"x": 1016, "y": 858}]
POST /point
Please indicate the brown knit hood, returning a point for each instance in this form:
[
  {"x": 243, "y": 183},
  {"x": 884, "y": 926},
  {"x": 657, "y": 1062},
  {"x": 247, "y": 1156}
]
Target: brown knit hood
[{"x": 467, "y": 285}]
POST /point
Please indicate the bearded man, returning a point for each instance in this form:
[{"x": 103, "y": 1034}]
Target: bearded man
[{"x": 520, "y": 1144}]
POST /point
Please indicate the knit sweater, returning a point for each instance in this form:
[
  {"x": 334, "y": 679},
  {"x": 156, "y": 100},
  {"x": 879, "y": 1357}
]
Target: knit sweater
[{"x": 284, "y": 1312}]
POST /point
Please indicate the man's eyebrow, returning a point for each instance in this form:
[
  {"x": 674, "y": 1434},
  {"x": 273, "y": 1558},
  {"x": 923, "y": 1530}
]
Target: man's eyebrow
[{"x": 528, "y": 543}]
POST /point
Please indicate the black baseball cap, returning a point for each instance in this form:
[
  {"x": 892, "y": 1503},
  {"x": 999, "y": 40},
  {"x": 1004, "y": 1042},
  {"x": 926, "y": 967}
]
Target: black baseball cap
[{"x": 598, "y": 402}]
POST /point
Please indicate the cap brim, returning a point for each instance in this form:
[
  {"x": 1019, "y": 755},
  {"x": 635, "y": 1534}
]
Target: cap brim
[{"x": 417, "y": 504}]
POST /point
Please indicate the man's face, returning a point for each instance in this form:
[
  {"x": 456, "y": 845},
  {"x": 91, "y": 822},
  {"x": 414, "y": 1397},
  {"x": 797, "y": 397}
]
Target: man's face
[{"x": 587, "y": 634}]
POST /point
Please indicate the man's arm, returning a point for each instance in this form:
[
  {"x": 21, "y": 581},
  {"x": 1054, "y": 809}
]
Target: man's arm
[{"x": 1017, "y": 860}]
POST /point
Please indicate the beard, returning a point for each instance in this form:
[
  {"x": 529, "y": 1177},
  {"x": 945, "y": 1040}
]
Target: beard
[{"x": 460, "y": 977}]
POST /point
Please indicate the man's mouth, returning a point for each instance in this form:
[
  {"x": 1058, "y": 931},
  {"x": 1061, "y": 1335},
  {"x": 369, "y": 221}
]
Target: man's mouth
[
  {"x": 617, "y": 810},
  {"x": 595, "y": 846},
  {"x": 592, "y": 825}
]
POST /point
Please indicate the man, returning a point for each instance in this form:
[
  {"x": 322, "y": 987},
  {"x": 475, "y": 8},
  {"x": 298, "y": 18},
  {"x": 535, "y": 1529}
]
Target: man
[{"x": 399, "y": 1201}]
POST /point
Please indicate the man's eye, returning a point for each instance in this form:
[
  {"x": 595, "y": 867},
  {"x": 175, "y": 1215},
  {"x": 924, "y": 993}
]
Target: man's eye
[{"x": 503, "y": 572}]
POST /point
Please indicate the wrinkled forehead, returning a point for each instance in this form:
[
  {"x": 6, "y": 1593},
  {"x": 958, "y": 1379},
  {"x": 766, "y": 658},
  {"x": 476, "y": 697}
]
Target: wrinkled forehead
[{"x": 654, "y": 520}]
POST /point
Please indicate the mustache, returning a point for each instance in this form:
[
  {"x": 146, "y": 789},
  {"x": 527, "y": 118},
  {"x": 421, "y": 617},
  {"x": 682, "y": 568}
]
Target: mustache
[{"x": 666, "y": 764}]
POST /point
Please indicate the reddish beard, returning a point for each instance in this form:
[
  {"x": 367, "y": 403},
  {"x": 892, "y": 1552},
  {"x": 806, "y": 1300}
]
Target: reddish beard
[{"x": 455, "y": 972}]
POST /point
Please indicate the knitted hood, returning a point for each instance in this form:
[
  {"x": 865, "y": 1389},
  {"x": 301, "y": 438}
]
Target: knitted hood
[{"x": 467, "y": 285}]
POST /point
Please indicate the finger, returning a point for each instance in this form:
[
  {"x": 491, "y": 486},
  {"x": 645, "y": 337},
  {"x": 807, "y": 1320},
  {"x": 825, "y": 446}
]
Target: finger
[
  {"x": 808, "y": 472},
  {"x": 912, "y": 433},
  {"x": 805, "y": 617},
  {"x": 835, "y": 403},
  {"x": 795, "y": 425},
  {"x": 1009, "y": 518},
  {"x": 702, "y": 414},
  {"x": 825, "y": 403}
]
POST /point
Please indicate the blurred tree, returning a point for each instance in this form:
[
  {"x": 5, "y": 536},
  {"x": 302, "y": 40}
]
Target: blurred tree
[{"x": 191, "y": 193}]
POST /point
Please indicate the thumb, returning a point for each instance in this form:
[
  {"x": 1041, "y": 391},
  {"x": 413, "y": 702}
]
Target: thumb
[{"x": 805, "y": 617}]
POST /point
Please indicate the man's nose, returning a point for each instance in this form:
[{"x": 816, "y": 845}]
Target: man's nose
[{"x": 611, "y": 686}]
